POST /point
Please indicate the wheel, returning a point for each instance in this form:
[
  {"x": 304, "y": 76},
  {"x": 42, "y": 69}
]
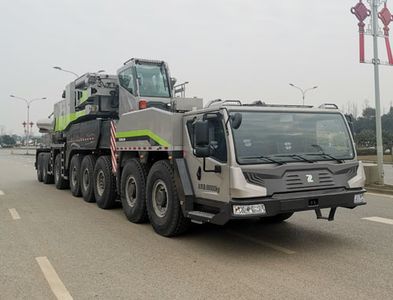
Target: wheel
[
  {"x": 40, "y": 166},
  {"x": 60, "y": 182},
  {"x": 46, "y": 177},
  {"x": 104, "y": 183},
  {"x": 75, "y": 175},
  {"x": 162, "y": 202},
  {"x": 133, "y": 191},
  {"x": 276, "y": 219},
  {"x": 87, "y": 179}
]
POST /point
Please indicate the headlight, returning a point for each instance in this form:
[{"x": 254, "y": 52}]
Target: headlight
[
  {"x": 246, "y": 210},
  {"x": 359, "y": 198}
]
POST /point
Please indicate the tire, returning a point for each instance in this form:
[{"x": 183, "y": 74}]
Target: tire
[
  {"x": 87, "y": 178},
  {"x": 276, "y": 219},
  {"x": 75, "y": 175},
  {"x": 40, "y": 165},
  {"x": 46, "y": 177},
  {"x": 60, "y": 182},
  {"x": 104, "y": 183},
  {"x": 133, "y": 191},
  {"x": 162, "y": 202}
]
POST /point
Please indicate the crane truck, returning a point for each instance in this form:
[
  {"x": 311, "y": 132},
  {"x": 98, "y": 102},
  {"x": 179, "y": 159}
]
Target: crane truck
[{"x": 171, "y": 161}]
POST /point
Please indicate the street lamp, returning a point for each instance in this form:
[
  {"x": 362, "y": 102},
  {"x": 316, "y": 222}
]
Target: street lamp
[
  {"x": 28, "y": 103},
  {"x": 303, "y": 91},
  {"x": 61, "y": 69}
]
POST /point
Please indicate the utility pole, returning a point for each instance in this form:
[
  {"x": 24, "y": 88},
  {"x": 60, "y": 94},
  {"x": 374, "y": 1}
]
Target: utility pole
[
  {"x": 374, "y": 16},
  {"x": 28, "y": 103},
  {"x": 361, "y": 12},
  {"x": 68, "y": 71},
  {"x": 303, "y": 91}
]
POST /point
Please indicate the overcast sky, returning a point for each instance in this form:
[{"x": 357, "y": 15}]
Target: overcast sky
[{"x": 232, "y": 49}]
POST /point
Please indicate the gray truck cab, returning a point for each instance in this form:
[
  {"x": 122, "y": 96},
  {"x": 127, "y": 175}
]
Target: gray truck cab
[
  {"x": 265, "y": 161},
  {"x": 144, "y": 83}
]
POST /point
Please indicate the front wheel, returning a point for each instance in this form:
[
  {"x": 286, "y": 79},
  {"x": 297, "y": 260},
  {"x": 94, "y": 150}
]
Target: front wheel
[
  {"x": 276, "y": 219},
  {"x": 163, "y": 205}
]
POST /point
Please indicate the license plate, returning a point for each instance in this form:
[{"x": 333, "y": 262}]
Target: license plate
[{"x": 359, "y": 198}]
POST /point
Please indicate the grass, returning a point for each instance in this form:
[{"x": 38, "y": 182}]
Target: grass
[{"x": 373, "y": 158}]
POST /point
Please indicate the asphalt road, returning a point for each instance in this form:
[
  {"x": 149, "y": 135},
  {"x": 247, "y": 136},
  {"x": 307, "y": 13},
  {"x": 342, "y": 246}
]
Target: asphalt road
[{"x": 55, "y": 245}]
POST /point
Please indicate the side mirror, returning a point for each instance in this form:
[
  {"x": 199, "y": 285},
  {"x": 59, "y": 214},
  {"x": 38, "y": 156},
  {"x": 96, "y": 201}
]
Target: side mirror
[
  {"x": 201, "y": 133},
  {"x": 173, "y": 82},
  {"x": 201, "y": 138},
  {"x": 236, "y": 120},
  {"x": 202, "y": 151}
]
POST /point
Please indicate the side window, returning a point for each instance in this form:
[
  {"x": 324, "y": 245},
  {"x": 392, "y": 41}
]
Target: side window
[
  {"x": 126, "y": 79},
  {"x": 217, "y": 139}
]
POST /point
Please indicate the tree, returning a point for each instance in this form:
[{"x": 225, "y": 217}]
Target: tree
[
  {"x": 366, "y": 138},
  {"x": 7, "y": 140}
]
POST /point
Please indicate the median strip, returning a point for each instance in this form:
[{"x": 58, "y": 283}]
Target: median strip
[
  {"x": 262, "y": 243},
  {"x": 379, "y": 220},
  {"x": 14, "y": 214},
  {"x": 56, "y": 285}
]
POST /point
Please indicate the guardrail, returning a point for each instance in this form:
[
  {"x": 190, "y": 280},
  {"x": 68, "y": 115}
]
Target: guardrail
[{"x": 23, "y": 150}]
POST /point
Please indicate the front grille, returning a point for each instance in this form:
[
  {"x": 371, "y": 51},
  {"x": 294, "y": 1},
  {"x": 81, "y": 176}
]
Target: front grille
[{"x": 312, "y": 180}]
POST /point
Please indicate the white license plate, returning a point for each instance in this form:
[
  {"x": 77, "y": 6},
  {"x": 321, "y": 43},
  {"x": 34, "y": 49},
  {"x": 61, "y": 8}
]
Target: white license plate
[{"x": 359, "y": 198}]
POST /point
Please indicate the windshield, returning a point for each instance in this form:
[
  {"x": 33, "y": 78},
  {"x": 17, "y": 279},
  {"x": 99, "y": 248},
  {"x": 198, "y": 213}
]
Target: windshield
[
  {"x": 152, "y": 80},
  {"x": 291, "y": 136}
]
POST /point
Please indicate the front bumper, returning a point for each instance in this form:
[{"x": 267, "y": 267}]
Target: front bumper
[{"x": 290, "y": 202}]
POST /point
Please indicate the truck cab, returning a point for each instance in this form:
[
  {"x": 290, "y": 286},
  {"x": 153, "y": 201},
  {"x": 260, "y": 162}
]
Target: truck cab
[
  {"x": 144, "y": 83},
  {"x": 270, "y": 161}
]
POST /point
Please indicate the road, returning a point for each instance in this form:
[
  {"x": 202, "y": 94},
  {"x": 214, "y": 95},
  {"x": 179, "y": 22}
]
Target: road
[{"x": 53, "y": 245}]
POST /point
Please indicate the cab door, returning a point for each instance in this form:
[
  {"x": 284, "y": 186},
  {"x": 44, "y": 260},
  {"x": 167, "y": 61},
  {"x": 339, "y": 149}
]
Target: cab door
[{"x": 210, "y": 179}]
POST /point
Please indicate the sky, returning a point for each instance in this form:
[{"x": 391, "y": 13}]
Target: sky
[{"x": 229, "y": 49}]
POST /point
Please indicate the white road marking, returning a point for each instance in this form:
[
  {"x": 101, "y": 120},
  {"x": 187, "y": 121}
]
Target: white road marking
[
  {"x": 53, "y": 279},
  {"x": 1, "y": 193},
  {"x": 14, "y": 213},
  {"x": 380, "y": 220},
  {"x": 380, "y": 195},
  {"x": 262, "y": 243}
]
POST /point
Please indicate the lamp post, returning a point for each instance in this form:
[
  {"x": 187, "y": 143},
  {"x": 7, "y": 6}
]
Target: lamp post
[
  {"x": 67, "y": 71},
  {"x": 28, "y": 103},
  {"x": 303, "y": 91}
]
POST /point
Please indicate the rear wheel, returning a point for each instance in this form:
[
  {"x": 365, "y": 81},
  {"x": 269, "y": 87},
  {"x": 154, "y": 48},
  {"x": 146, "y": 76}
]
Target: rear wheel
[
  {"x": 87, "y": 177},
  {"x": 40, "y": 166},
  {"x": 276, "y": 219},
  {"x": 75, "y": 175},
  {"x": 133, "y": 191},
  {"x": 104, "y": 183},
  {"x": 60, "y": 182},
  {"x": 163, "y": 206},
  {"x": 46, "y": 177}
]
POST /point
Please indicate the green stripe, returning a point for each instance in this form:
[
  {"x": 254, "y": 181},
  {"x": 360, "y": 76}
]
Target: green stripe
[
  {"x": 143, "y": 132},
  {"x": 84, "y": 97},
  {"x": 63, "y": 121}
]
